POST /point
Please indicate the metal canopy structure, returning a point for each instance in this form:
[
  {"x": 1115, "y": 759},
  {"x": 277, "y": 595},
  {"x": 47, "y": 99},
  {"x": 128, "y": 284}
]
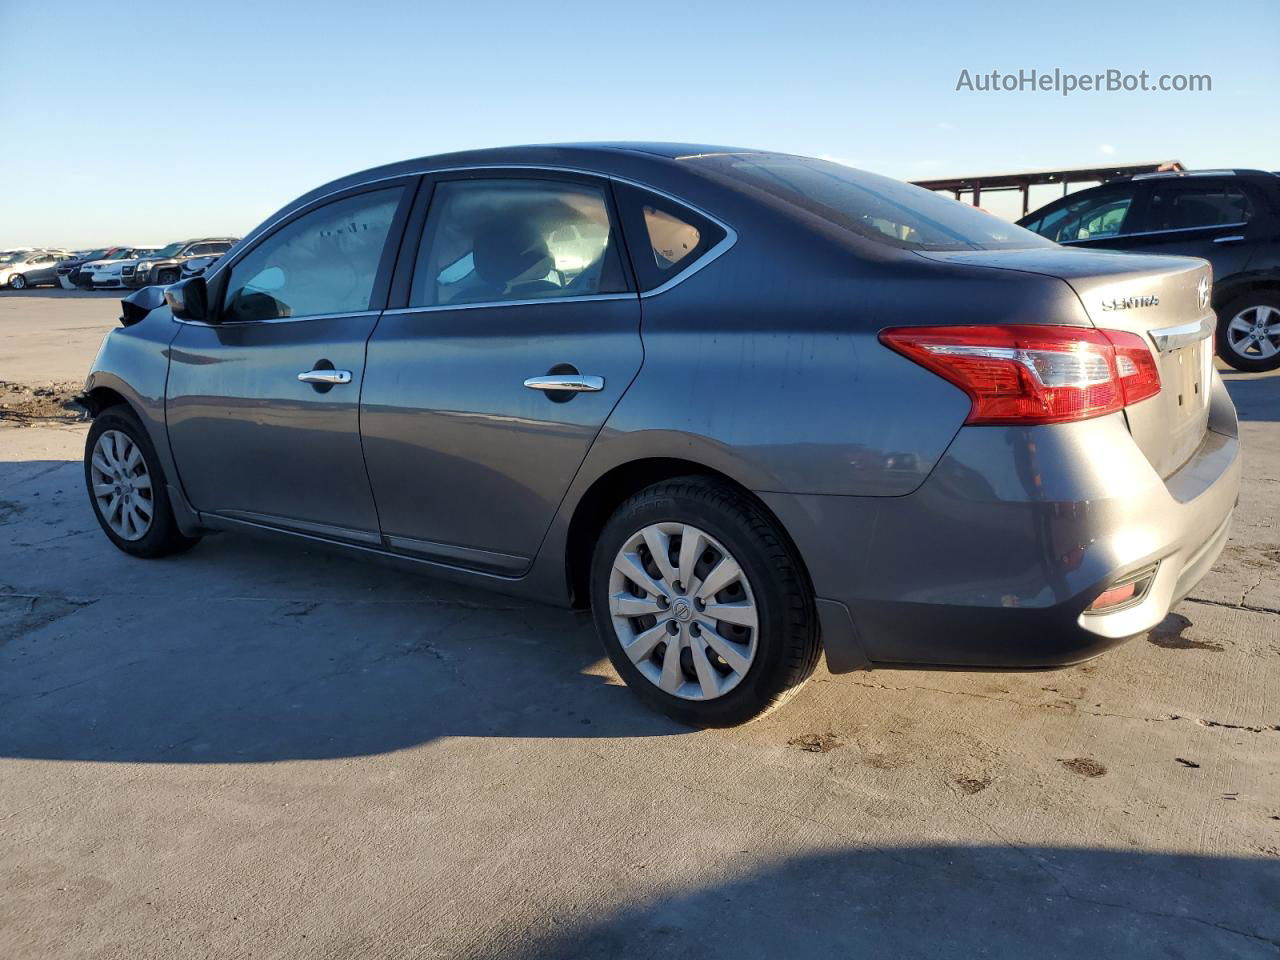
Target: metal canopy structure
[{"x": 1023, "y": 182}]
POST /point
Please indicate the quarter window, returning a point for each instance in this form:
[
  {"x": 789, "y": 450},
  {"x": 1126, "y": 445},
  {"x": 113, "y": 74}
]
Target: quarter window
[
  {"x": 671, "y": 238},
  {"x": 1182, "y": 208},
  {"x": 494, "y": 241},
  {"x": 324, "y": 262},
  {"x": 666, "y": 237}
]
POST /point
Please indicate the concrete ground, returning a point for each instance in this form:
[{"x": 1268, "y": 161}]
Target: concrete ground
[{"x": 254, "y": 750}]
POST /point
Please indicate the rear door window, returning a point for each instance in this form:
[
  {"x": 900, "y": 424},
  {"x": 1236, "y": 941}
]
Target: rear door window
[
  {"x": 511, "y": 240},
  {"x": 1178, "y": 206}
]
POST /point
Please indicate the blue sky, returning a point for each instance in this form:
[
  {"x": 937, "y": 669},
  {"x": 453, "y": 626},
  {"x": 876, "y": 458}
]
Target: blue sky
[{"x": 123, "y": 126}]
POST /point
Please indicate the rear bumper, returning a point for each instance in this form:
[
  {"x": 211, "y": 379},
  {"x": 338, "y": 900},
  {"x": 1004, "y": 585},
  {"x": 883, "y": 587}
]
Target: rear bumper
[{"x": 992, "y": 562}]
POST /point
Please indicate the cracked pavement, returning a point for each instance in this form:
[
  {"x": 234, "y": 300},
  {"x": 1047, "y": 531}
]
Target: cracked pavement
[{"x": 261, "y": 750}]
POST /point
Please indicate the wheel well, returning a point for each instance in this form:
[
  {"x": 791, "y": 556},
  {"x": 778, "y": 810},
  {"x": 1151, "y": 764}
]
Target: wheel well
[
  {"x": 604, "y": 496},
  {"x": 1232, "y": 290},
  {"x": 99, "y": 399}
]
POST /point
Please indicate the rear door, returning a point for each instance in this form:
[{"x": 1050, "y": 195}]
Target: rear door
[
  {"x": 263, "y": 407},
  {"x": 1188, "y": 216},
  {"x": 517, "y": 332},
  {"x": 43, "y": 268}
]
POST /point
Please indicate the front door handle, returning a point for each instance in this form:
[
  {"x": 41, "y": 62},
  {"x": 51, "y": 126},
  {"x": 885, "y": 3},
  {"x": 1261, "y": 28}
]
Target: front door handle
[
  {"x": 328, "y": 377},
  {"x": 574, "y": 383},
  {"x": 1234, "y": 238}
]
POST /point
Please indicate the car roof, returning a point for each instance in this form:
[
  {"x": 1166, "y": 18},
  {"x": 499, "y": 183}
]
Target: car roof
[
  {"x": 1187, "y": 176},
  {"x": 592, "y": 157}
]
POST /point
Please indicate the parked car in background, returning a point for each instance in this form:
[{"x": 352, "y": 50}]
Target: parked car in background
[
  {"x": 744, "y": 406},
  {"x": 32, "y": 268},
  {"x": 109, "y": 273},
  {"x": 69, "y": 276},
  {"x": 1229, "y": 217},
  {"x": 165, "y": 266}
]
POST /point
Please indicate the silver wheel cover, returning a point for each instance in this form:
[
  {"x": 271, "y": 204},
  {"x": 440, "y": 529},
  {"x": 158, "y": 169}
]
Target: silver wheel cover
[
  {"x": 121, "y": 485},
  {"x": 1254, "y": 333},
  {"x": 683, "y": 611}
]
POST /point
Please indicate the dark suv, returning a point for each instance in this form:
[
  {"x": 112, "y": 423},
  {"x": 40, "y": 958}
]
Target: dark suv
[
  {"x": 1229, "y": 217},
  {"x": 165, "y": 266}
]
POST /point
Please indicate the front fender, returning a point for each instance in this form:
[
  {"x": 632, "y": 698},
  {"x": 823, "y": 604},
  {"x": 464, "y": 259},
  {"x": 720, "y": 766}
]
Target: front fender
[{"x": 133, "y": 364}]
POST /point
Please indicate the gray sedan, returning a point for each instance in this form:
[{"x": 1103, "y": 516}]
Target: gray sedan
[
  {"x": 30, "y": 268},
  {"x": 749, "y": 408}
]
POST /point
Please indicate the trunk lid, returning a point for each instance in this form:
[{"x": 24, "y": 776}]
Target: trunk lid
[{"x": 1165, "y": 300}]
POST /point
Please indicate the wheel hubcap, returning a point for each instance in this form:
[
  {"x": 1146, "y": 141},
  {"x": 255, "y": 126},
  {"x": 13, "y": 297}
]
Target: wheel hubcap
[
  {"x": 1254, "y": 332},
  {"x": 122, "y": 485},
  {"x": 683, "y": 611}
]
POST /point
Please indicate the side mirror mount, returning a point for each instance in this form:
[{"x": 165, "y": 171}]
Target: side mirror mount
[{"x": 189, "y": 300}]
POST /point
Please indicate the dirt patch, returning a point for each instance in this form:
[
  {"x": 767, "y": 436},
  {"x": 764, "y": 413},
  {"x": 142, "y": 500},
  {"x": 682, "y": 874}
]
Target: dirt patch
[
  {"x": 1084, "y": 766},
  {"x": 21, "y": 614},
  {"x": 1169, "y": 634},
  {"x": 1256, "y": 557},
  {"x": 24, "y": 404},
  {"x": 816, "y": 742},
  {"x": 972, "y": 785},
  {"x": 9, "y": 509}
]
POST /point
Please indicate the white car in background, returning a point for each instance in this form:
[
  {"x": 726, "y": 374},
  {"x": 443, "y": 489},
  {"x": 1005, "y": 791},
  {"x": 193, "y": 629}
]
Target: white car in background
[{"x": 108, "y": 274}]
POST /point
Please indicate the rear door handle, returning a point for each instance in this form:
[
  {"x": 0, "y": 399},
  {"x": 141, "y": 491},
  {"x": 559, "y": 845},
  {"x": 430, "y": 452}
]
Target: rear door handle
[
  {"x": 575, "y": 383},
  {"x": 1234, "y": 238},
  {"x": 331, "y": 377}
]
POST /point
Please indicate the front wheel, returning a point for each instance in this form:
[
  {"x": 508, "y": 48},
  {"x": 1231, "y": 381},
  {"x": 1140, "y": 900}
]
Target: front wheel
[
  {"x": 1249, "y": 332},
  {"x": 166, "y": 277},
  {"x": 127, "y": 487},
  {"x": 17, "y": 282},
  {"x": 702, "y": 604}
]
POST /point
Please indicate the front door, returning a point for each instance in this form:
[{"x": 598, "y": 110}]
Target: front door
[
  {"x": 263, "y": 406},
  {"x": 484, "y": 393}
]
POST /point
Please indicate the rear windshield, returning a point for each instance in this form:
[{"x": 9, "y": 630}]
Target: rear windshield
[{"x": 875, "y": 207}]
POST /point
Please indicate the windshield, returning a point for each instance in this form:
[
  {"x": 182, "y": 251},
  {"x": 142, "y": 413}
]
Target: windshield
[
  {"x": 169, "y": 251},
  {"x": 12, "y": 257},
  {"x": 875, "y": 207}
]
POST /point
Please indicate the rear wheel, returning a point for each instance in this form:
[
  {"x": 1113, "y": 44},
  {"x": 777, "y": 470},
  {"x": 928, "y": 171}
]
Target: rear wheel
[
  {"x": 702, "y": 604},
  {"x": 127, "y": 487},
  {"x": 1249, "y": 331}
]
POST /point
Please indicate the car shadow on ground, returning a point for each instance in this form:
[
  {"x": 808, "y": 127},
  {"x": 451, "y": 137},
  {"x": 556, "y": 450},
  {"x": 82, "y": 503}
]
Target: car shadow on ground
[
  {"x": 948, "y": 902},
  {"x": 45, "y": 293},
  {"x": 250, "y": 651},
  {"x": 1256, "y": 395}
]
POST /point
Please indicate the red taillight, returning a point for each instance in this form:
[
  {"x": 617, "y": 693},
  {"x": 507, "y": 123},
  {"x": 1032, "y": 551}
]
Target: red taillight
[
  {"x": 1034, "y": 374},
  {"x": 1135, "y": 366}
]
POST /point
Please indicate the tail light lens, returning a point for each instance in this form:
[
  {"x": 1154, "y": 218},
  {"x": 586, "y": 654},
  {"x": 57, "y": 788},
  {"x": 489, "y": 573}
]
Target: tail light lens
[{"x": 1034, "y": 374}]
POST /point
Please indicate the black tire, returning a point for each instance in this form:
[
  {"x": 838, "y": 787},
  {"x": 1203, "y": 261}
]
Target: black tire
[
  {"x": 1232, "y": 309},
  {"x": 17, "y": 281},
  {"x": 788, "y": 643},
  {"x": 166, "y": 277},
  {"x": 163, "y": 537}
]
